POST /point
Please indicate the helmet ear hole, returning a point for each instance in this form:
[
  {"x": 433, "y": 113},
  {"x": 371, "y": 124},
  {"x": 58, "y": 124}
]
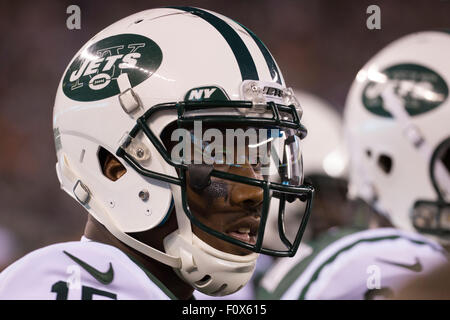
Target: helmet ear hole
[
  {"x": 110, "y": 165},
  {"x": 385, "y": 163},
  {"x": 204, "y": 281}
]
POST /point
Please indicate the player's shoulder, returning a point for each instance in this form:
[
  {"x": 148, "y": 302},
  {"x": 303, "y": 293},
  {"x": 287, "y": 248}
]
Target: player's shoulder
[
  {"x": 59, "y": 250},
  {"x": 380, "y": 239},
  {"x": 367, "y": 263},
  {"x": 356, "y": 265},
  {"x": 79, "y": 270},
  {"x": 340, "y": 263}
]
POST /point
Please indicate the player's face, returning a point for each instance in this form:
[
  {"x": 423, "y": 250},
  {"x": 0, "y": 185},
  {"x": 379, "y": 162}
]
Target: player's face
[
  {"x": 215, "y": 200},
  {"x": 229, "y": 207}
]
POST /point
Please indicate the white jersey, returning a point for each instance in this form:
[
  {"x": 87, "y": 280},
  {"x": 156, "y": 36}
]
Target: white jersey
[
  {"x": 370, "y": 264},
  {"x": 84, "y": 270}
]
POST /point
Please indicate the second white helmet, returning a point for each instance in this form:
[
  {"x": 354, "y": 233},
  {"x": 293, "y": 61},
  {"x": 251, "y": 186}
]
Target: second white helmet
[{"x": 397, "y": 120}]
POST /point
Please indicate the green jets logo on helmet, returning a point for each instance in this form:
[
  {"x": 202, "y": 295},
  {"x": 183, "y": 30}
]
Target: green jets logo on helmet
[
  {"x": 92, "y": 75},
  {"x": 421, "y": 88}
]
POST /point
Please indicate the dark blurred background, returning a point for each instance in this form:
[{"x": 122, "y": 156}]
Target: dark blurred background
[{"x": 319, "y": 46}]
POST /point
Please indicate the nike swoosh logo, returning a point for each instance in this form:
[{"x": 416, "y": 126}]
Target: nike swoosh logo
[
  {"x": 103, "y": 277},
  {"x": 416, "y": 267}
]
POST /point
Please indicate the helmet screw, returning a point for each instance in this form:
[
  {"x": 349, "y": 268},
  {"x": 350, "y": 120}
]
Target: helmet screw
[
  {"x": 144, "y": 195},
  {"x": 140, "y": 153}
]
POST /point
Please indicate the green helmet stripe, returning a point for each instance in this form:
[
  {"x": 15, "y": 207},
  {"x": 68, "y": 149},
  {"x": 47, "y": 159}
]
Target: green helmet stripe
[
  {"x": 242, "y": 54},
  {"x": 273, "y": 69}
]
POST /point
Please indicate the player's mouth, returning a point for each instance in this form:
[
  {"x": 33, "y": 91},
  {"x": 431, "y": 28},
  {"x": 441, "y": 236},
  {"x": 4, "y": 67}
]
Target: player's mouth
[{"x": 245, "y": 229}]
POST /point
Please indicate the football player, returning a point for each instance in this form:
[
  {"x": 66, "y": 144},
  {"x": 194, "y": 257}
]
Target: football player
[
  {"x": 141, "y": 117},
  {"x": 396, "y": 120}
]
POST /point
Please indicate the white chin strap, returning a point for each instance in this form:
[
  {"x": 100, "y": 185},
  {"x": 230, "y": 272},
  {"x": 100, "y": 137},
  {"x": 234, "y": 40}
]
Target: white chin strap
[
  {"x": 207, "y": 269},
  {"x": 396, "y": 106}
]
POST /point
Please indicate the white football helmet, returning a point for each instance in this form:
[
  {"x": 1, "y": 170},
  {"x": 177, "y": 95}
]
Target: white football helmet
[
  {"x": 138, "y": 77},
  {"x": 397, "y": 119}
]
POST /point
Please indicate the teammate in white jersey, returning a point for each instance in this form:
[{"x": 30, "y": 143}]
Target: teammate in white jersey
[
  {"x": 176, "y": 149},
  {"x": 370, "y": 264},
  {"x": 396, "y": 118}
]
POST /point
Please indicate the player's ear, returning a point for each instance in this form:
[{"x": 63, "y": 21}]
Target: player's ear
[{"x": 111, "y": 166}]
